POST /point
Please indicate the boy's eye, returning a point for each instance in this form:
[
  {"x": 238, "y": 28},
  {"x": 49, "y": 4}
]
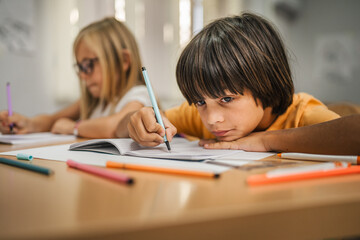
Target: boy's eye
[
  {"x": 226, "y": 99},
  {"x": 200, "y": 103}
]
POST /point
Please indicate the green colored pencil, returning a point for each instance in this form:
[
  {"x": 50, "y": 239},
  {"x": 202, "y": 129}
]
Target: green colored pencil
[{"x": 26, "y": 166}]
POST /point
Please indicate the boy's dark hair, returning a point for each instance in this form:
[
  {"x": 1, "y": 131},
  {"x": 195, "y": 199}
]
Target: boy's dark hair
[{"x": 237, "y": 53}]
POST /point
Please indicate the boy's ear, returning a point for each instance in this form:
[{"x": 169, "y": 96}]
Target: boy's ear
[{"x": 126, "y": 59}]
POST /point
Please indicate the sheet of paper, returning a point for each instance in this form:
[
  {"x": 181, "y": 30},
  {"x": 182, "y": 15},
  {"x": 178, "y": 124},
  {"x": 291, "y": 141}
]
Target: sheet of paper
[
  {"x": 182, "y": 151},
  {"x": 31, "y": 138},
  {"x": 241, "y": 158},
  {"x": 61, "y": 153}
]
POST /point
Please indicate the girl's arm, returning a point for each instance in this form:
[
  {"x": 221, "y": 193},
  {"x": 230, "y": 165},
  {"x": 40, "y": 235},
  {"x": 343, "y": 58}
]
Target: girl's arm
[
  {"x": 39, "y": 123},
  {"x": 43, "y": 123},
  {"x": 102, "y": 127}
]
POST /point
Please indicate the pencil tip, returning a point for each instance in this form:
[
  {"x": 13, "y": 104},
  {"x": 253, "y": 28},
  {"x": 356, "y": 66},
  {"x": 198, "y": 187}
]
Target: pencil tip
[{"x": 168, "y": 146}]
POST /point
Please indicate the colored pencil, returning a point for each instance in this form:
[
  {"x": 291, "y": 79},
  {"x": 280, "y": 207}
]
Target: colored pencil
[
  {"x": 111, "y": 164},
  {"x": 122, "y": 178},
  {"x": 321, "y": 157},
  {"x": 27, "y": 166}
]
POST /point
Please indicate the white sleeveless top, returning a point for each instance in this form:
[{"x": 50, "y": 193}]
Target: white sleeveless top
[{"x": 137, "y": 93}]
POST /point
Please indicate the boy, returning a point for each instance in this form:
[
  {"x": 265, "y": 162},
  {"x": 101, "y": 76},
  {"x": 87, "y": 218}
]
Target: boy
[{"x": 236, "y": 79}]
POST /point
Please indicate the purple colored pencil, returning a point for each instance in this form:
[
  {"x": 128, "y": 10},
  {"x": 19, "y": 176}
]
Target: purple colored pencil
[{"x": 9, "y": 103}]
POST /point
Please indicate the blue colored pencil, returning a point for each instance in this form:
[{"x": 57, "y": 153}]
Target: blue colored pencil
[{"x": 154, "y": 104}]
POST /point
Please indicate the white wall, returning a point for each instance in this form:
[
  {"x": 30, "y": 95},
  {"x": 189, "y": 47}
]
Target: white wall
[
  {"x": 43, "y": 80},
  {"x": 323, "y": 40},
  {"x": 146, "y": 19},
  {"x": 31, "y": 82},
  {"x": 326, "y": 42}
]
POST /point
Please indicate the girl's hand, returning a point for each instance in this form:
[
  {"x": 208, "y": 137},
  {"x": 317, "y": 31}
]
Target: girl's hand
[
  {"x": 144, "y": 129},
  {"x": 63, "y": 126},
  {"x": 21, "y": 124},
  {"x": 254, "y": 142}
]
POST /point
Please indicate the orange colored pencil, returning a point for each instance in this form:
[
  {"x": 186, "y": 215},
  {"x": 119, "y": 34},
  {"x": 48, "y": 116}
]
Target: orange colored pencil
[
  {"x": 265, "y": 179},
  {"x": 111, "y": 164}
]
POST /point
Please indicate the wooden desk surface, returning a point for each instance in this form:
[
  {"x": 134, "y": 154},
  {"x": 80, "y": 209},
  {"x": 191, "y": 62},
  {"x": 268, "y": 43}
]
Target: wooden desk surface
[{"x": 75, "y": 205}]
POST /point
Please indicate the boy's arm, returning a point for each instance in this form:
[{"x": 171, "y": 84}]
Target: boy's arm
[{"x": 339, "y": 136}]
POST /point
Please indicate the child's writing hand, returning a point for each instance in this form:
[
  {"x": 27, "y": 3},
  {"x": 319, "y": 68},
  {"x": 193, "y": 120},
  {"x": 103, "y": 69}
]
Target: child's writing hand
[
  {"x": 145, "y": 130},
  {"x": 21, "y": 124},
  {"x": 63, "y": 126},
  {"x": 255, "y": 142}
]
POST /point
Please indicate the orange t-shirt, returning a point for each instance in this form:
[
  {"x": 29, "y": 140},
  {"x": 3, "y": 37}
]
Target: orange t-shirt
[{"x": 305, "y": 110}]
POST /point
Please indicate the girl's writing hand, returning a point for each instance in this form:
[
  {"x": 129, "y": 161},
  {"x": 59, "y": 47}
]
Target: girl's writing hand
[
  {"x": 254, "y": 142},
  {"x": 21, "y": 124},
  {"x": 63, "y": 126},
  {"x": 144, "y": 129},
  {"x": 4, "y": 122}
]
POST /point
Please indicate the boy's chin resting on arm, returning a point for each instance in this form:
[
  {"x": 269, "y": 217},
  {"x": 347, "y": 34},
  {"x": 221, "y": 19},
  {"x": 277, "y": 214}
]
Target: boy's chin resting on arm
[{"x": 254, "y": 142}]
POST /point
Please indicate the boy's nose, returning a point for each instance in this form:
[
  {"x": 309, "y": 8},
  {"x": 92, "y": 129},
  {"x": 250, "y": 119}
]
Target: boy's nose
[{"x": 214, "y": 116}]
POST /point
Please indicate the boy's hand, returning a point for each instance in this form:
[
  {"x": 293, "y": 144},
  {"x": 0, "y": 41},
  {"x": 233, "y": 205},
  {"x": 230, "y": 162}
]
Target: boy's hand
[
  {"x": 254, "y": 142},
  {"x": 145, "y": 130},
  {"x": 63, "y": 126},
  {"x": 21, "y": 124}
]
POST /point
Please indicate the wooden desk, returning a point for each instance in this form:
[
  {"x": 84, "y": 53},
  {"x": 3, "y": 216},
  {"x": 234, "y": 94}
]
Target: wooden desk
[{"x": 75, "y": 205}]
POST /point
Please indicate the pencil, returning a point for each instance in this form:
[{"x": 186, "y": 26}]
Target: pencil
[
  {"x": 260, "y": 179},
  {"x": 321, "y": 157},
  {"x": 111, "y": 164},
  {"x": 122, "y": 178},
  {"x": 154, "y": 104},
  {"x": 9, "y": 104},
  {"x": 26, "y": 166}
]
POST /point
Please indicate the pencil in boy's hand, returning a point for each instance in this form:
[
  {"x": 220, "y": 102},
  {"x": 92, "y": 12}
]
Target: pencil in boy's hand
[
  {"x": 154, "y": 104},
  {"x": 168, "y": 146}
]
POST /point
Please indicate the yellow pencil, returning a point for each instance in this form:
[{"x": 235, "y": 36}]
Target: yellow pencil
[{"x": 111, "y": 164}]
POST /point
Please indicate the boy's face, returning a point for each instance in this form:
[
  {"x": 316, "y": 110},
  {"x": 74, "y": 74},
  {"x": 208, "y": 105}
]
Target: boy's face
[{"x": 233, "y": 116}]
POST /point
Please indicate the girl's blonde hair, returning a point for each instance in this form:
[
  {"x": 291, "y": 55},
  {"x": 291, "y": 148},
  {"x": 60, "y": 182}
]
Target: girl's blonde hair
[{"x": 107, "y": 39}]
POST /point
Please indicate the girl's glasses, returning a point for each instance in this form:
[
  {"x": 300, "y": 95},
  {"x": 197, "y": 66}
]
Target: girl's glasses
[{"x": 86, "y": 66}]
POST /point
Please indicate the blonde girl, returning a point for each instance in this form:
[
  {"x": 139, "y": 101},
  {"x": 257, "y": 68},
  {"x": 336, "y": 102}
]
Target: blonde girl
[{"x": 109, "y": 69}]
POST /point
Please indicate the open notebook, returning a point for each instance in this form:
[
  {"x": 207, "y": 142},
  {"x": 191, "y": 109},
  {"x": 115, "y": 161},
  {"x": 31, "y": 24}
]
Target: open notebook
[
  {"x": 32, "y": 138},
  {"x": 181, "y": 149}
]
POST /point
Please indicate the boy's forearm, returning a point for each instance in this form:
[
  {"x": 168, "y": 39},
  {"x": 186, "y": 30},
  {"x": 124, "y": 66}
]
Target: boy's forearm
[{"x": 339, "y": 136}]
